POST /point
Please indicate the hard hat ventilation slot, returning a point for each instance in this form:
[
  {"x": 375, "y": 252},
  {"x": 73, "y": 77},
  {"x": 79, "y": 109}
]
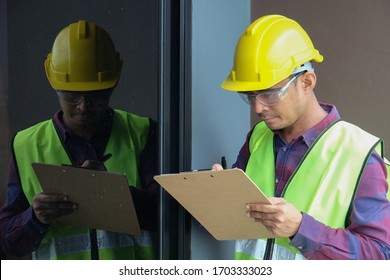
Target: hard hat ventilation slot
[{"x": 82, "y": 29}]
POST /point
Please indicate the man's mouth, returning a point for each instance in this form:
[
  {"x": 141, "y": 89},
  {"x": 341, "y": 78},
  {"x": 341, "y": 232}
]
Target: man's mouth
[
  {"x": 83, "y": 116},
  {"x": 267, "y": 117}
]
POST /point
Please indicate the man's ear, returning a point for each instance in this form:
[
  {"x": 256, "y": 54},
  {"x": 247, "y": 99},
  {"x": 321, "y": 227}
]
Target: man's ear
[{"x": 309, "y": 80}]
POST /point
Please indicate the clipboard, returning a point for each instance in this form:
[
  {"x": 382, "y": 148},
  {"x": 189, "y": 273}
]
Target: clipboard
[
  {"x": 104, "y": 198},
  {"x": 217, "y": 199}
]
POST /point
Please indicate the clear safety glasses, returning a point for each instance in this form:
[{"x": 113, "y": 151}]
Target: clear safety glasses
[
  {"x": 97, "y": 97},
  {"x": 269, "y": 97}
]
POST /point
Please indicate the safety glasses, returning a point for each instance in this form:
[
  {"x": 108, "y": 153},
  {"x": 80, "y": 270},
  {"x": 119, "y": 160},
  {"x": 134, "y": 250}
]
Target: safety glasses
[
  {"x": 93, "y": 97},
  {"x": 269, "y": 97}
]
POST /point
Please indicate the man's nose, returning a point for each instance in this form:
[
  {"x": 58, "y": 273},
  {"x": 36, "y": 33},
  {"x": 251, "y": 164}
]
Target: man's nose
[
  {"x": 84, "y": 103},
  {"x": 258, "y": 107}
]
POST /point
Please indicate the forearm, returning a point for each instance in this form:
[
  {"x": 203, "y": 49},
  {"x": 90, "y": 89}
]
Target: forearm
[
  {"x": 20, "y": 231},
  {"x": 20, "y": 234},
  {"x": 320, "y": 242},
  {"x": 366, "y": 234}
]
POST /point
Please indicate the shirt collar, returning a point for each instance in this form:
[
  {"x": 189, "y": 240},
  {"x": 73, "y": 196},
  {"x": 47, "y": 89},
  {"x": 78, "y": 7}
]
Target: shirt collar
[
  {"x": 57, "y": 119},
  {"x": 311, "y": 134},
  {"x": 63, "y": 131}
]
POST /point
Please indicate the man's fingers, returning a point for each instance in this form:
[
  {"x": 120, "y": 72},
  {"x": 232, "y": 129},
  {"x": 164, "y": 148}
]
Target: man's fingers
[
  {"x": 260, "y": 207},
  {"x": 48, "y": 207},
  {"x": 50, "y": 197},
  {"x": 48, "y": 214},
  {"x": 94, "y": 164},
  {"x": 216, "y": 167}
]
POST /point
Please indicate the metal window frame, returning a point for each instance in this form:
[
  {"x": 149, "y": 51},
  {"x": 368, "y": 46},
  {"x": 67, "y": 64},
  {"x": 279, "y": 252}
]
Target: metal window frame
[{"x": 175, "y": 122}]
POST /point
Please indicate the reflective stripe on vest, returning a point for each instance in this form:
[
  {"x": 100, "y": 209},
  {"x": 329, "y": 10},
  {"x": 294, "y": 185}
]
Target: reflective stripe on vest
[
  {"x": 254, "y": 249},
  {"x": 328, "y": 186},
  {"x": 73, "y": 247},
  {"x": 128, "y": 138}
]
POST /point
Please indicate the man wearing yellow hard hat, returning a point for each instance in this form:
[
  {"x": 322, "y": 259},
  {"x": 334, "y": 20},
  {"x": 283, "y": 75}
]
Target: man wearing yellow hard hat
[
  {"x": 83, "y": 68},
  {"x": 325, "y": 177}
]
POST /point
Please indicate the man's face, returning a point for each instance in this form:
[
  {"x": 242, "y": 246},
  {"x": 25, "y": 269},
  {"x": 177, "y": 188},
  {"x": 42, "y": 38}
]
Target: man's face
[
  {"x": 83, "y": 109},
  {"x": 285, "y": 113}
]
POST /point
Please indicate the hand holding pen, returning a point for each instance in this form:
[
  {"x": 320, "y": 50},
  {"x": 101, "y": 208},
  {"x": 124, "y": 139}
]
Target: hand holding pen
[
  {"x": 217, "y": 166},
  {"x": 97, "y": 164}
]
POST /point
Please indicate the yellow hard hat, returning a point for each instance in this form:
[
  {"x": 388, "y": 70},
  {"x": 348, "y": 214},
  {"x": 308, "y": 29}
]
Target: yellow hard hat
[
  {"x": 83, "y": 58},
  {"x": 269, "y": 50}
]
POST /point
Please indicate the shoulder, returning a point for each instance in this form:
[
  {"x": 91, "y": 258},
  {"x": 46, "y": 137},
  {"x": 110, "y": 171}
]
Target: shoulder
[
  {"x": 130, "y": 116},
  {"x": 42, "y": 126}
]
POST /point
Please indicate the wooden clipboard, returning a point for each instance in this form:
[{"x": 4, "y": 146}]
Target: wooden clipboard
[
  {"x": 104, "y": 198},
  {"x": 217, "y": 200}
]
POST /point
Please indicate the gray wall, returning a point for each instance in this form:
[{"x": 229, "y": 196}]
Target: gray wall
[
  {"x": 220, "y": 119},
  {"x": 4, "y": 131}
]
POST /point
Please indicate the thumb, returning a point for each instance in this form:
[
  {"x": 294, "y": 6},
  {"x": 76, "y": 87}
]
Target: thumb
[{"x": 216, "y": 167}]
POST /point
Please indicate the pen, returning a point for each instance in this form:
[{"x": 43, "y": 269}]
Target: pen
[
  {"x": 103, "y": 159},
  {"x": 106, "y": 157},
  {"x": 223, "y": 162}
]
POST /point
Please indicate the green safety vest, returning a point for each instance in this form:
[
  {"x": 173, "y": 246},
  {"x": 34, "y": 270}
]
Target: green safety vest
[
  {"x": 320, "y": 186},
  {"x": 41, "y": 143}
]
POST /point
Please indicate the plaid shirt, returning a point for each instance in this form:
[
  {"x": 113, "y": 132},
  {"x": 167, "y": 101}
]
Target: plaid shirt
[{"x": 367, "y": 230}]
